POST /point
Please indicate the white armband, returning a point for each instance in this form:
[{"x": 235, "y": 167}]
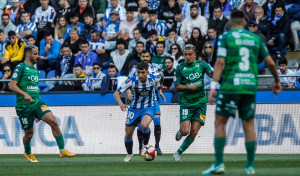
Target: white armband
[{"x": 213, "y": 85}]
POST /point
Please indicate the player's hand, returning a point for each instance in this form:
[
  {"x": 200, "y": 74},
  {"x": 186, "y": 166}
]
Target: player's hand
[
  {"x": 163, "y": 97},
  {"x": 124, "y": 107},
  {"x": 28, "y": 98},
  {"x": 276, "y": 88},
  {"x": 193, "y": 87},
  {"x": 130, "y": 96},
  {"x": 212, "y": 96}
]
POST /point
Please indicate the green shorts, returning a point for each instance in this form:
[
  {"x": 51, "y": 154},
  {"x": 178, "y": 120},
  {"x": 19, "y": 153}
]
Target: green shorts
[
  {"x": 27, "y": 116},
  {"x": 228, "y": 104},
  {"x": 193, "y": 113}
]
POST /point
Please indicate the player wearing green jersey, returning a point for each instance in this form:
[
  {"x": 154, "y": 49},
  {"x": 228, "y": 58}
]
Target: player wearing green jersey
[
  {"x": 24, "y": 82},
  {"x": 237, "y": 56},
  {"x": 190, "y": 85}
]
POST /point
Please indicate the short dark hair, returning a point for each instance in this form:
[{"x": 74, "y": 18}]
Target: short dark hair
[
  {"x": 97, "y": 63},
  {"x": 142, "y": 66},
  {"x": 1, "y": 31},
  {"x": 161, "y": 43},
  {"x": 168, "y": 57},
  {"x": 212, "y": 27},
  {"x": 172, "y": 30},
  {"x": 146, "y": 51},
  {"x": 84, "y": 42},
  {"x": 78, "y": 65},
  {"x": 47, "y": 34},
  {"x": 130, "y": 9},
  {"x": 237, "y": 17},
  {"x": 137, "y": 29},
  {"x": 194, "y": 6},
  {"x": 74, "y": 14},
  {"x": 279, "y": 5},
  {"x": 144, "y": 10},
  {"x": 113, "y": 67},
  {"x": 177, "y": 11},
  {"x": 88, "y": 15},
  {"x": 5, "y": 14},
  {"x": 140, "y": 42},
  {"x": 29, "y": 48},
  {"x": 121, "y": 41},
  {"x": 282, "y": 61},
  {"x": 28, "y": 37},
  {"x": 25, "y": 11},
  {"x": 218, "y": 7},
  {"x": 152, "y": 32},
  {"x": 68, "y": 46},
  {"x": 11, "y": 33},
  {"x": 98, "y": 33},
  {"x": 152, "y": 12}
]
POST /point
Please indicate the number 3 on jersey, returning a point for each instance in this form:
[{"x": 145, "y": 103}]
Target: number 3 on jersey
[{"x": 244, "y": 64}]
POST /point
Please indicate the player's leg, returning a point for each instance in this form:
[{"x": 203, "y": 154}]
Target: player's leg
[
  {"x": 157, "y": 127},
  {"x": 26, "y": 141},
  {"x": 129, "y": 142},
  {"x": 51, "y": 121},
  {"x": 250, "y": 145},
  {"x": 147, "y": 119},
  {"x": 140, "y": 135},
  {"x": 184, "y": 131}
]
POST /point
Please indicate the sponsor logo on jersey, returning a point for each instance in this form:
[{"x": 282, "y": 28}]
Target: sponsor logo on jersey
[
  {"x": 27, "y": 68},
  {"x": 15, "y": 75},
  {"x": 44, "y": 108},
  {"x": 194, "y": 76},
  {"x": 32, "y": 88}
]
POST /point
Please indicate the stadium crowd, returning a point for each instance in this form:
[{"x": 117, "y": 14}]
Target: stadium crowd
[{"x": 105, "y": 38}]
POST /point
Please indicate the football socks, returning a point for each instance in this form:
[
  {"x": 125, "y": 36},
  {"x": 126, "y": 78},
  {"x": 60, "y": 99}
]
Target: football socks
[
  {"x": 219, "y": 148},
  {"x": 186, "y": 143}
]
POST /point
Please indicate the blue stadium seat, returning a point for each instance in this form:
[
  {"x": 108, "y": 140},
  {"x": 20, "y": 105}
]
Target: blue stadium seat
[
  {"x": 262, "y": 65},
  {"x": 1, "y": 74},
  {"x": 51, "y": 74},
  {"x": 42, "y": 75}
]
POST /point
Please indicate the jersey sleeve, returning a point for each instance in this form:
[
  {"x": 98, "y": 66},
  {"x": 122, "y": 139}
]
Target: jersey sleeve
[
  {"x": 17, "y": 74},
  {"x": 263, "y": 52},
  {"x": 126, "y": 85},
  {"x": 222, "y": 51},
  {"x": 132, "y": 71},
  {"x": 157, "y": 77},
  {"x": 207, "y": 68},
  {"x": 178, "y": 75}
]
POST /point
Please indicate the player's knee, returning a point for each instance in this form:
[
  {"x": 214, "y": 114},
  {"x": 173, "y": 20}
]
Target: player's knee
[
  {"x": 144, "y": 127},
  {"x": 128, "y": 136},
  {"x": 53, "y": 123},
  {"x": 29, "y": 134},
  {"x": 184, "y": 132},
  {"x": 193, "y": 134}
]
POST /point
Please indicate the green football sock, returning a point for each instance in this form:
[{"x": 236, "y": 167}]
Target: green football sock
[
  {"x": 60, "y": 142},
  {"x": 27, "y": 149},
  {"x": 250, "y": 147},
  {"x": 219, "y": 148},
  {"x": 186, "y": 143}
]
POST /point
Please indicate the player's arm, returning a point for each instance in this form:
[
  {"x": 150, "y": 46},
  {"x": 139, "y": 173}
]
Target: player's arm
[
  {"x": 178, "y": 79},
  {"x": 119, "y": 101},
  {"x": 219, "y": 66},
  {"x": 13, "y": 87},
  {"x": 129, "y": 94},
  {"x": 272, "y": 67}
]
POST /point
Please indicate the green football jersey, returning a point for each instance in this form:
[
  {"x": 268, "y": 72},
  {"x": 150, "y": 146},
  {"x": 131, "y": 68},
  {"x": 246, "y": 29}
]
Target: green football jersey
[
  {"x": 190, "y": 75},
  {"x": 28, "y": 81},
  {"x": 241, "y": 50},
  {"x": 159, "y": 62}
]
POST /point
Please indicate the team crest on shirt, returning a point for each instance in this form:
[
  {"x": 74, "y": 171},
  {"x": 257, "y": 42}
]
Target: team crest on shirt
[
  {"x": 15, "y": 75},
  {"x": 151, "y": 83},
  {"x": 44, "y": 108},
  {"x": 197, "y": 65}
]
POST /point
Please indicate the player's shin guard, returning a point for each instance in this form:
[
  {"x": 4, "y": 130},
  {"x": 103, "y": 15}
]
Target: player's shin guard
[
  {"x": 128, "y": 145},
  {"x": 140, "y": 136},
  {"x": 27, "y": 149},
  {"x": 186, "y": 143},
  {"x": 250, "y": 147},
  {"x": 219, "y": 148},
  {"x": 60, "y": 142},
  {"x": 146, "y": 136},
  {"x": 157, "y": 131}
]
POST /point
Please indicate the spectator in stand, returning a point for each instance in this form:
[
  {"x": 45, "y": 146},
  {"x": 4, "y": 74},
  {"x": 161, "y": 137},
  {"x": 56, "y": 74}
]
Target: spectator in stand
[
  {"x": 49, "y": 52},
  {"x": 218, "y": 20},
  {"x": 225, "y": 7},
  {"x": 130, "y": 23},
  {"x": 167, "y": 13},
  {"x": 91, "y": 85},
  {"x": 212, "y": 35},
  {"x": 14, "y": 11},
  {"x": 269, "y": 8},
  {"x": 83, "y": 8},
  {"x": 159, "y": 59},
  {"x": 119, "y": 58},
  {"x": 204, "y": 6},
  {"x": 30, "y": 40},
  {"x": 26, "y": 27},
  {"x": 153, "y": 4},
  {"x": 111, "y": 29},
  {"x": 61, "y": 27},
  {"x": 172, "y": 39},
  {"x": 196, "y": 40},
  {"x": 74, "y": 18},
  {"x": 294, "y": 15},
  {"x": 137, "y": 37},
  {"x": 169, "y": 71},
  {"x": 7, "y": 73},
  {"x": 3, "y": 4},
  {"x": 278, "y": 31},
  {"x": 260, "y": 19},
  {"x": 207, "y": 79},
  {"x": 194, "y": 20},
  {"x": 208, "y": 51},
  {"x": 44, "y": 17},
  {"x": 286, "y": 82},
  {"x": 142, "y": 4},
  {"x": 73, "y": 41},
  {"x": 152, "y": 40},
  {"x": 14, "y": 50},
  {"x": 185, "y": 7},
  {"x": 64, "y": 67},
  {"x": 158, "y": 25},
  {"x": 134, "y": 4},
  {"x": 78, "y": 73},
  {"x": 109, "y": 84},
  {"x": 124, "y": 34},
  {"x": 99, "y": 6},
  {"x": 65, "y": 10},
  {"x": 297, "y": 81},
  {"x": 99, "y": 46},
  {"x": 7, "y": 25},
  {"x": 114, "y": 7},
  {"x": 143, "y": 24},
  {"x": 178, "y": 20},
  {"x": 89, "y": 26},
  {"x": 249, "y": 9},
  {"x": 176, "y": 54},
  {"x": 86, "y": 58},
  {"x": 3, "y": 42},
  {"x": 135, "y": 55},
  {"x": 253, "y": 27}
]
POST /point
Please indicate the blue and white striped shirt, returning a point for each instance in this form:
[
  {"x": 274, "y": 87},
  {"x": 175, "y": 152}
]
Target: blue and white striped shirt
[
  {"x": 143, "y": 93},
  {"x": 120, "y": 9},
  {"x": 25, "y": 27},
  {"x": 100, "y": 44},
  {"x": 160, "y": 26}
]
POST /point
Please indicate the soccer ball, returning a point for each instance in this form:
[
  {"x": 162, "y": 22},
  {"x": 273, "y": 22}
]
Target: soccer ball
[{"x": 148, "y": 153}]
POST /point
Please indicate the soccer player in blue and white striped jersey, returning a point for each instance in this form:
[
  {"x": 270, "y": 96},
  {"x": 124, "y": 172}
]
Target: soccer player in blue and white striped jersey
[
  {"x": 142, "y": 108},
  {"x": 26, "y": 27}
]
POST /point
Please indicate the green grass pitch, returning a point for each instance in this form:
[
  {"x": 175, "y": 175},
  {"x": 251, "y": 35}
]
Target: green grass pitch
[{"x": 82, "y": 165}]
